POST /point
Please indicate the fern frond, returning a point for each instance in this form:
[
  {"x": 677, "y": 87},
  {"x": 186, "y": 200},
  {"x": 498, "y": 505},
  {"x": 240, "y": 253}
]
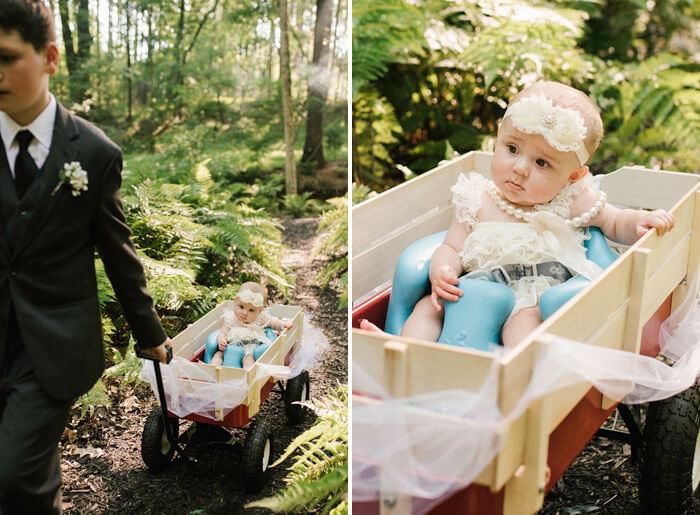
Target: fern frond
[
  {"x": 297, "y": 497},
  {"x": 319, "y": 472},
  {"x": 128, "y": 366},
  {"x": 97, "y": 396}
]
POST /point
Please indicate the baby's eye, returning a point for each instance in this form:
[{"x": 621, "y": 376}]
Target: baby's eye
[
  {"x": 542, "y": 163},
  {"x": 7, "y": 59},
  {"x": 512, "y": 148}
]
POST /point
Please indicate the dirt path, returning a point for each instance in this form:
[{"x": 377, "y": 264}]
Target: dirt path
[{"x": 102, "y": 467}]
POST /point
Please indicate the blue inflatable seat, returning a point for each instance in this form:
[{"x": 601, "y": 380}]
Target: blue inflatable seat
[
  {"x": 476, "y": 319},
  {"x": 234, "y": 354}
]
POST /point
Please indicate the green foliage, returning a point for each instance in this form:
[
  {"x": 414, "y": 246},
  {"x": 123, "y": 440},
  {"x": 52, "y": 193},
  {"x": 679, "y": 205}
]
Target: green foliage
[
  {"x": 360, "y": 193},
  {"x": 413, "y": 112},
  {"x": 375, "y": 130},
  {"x": 96, "y": 397},
  {"x": 652, "y": 115},
  {"x": 333, "y": 242},
  {"x": 302, "y": 204},
  {"x": 383, "y": 32},
  {"x": 128, "y": 365},
  {"x": 319, "y": 473}
]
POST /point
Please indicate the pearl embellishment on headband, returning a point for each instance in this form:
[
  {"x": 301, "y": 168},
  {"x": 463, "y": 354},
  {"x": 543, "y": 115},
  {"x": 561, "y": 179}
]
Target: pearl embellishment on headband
[
  {"x": 562, "y": 127},
  {"x": 549, "y": 121},
  {"x": 526, "y": 216}
]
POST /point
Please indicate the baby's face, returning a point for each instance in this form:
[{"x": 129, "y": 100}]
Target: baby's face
[
  {"x": 245, "y": 312},
  {"x": 527, "y": 170}
]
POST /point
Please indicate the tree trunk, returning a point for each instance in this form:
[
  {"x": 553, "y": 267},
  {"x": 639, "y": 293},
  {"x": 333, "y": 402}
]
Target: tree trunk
[
  {"x": 319, "y": 82},
  {"x": 71, "y": 57},
  {"x": 128, "y": 62},
  {"x": 75, "y": 59},
  {"x": 271, "y": 48},
  {"x": 290, "y": 173}
]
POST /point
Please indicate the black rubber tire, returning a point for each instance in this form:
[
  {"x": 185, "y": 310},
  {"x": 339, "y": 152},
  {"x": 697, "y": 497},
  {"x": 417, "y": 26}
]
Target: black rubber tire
[
  {"x": 257, "y": 454},
  {"x": 297, "y": 389},
  {"x": 154, "y": 452},
  {"x": 668, "y": 453}
]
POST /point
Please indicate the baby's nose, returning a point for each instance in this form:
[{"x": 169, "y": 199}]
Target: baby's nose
[{"x": 521, "y": 167}]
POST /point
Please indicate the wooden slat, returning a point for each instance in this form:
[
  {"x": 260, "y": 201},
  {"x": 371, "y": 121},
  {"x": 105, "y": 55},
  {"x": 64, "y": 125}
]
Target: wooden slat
[
  {"x": 381, "y": 215},
  {"x": 638, "y": 284},
  {"x": 665, "y": 279},
  {"x": 661, "y": 246},
  {"x": 610, "y": 333},
  {"x": 694, "y": 256},
  {"x": 653, "y": 189},
  {"x": 428, "y": 367},
  {"x": 380, "y": 261},
  {"x": 525, "y": 491},
  {"x": 680, "y": 293},
  {"x": 584, "y": 313},
  {"x": 511, "y": 455}
]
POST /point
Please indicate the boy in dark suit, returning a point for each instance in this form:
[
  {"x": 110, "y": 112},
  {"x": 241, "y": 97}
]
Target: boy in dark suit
[{"x": 50, "y": 334}]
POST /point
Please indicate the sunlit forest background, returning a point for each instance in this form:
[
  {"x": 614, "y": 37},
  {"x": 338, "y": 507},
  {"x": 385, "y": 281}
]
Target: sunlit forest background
[
  {"x": 194, "y": 93},
  {"x": 431, "y": 79}
]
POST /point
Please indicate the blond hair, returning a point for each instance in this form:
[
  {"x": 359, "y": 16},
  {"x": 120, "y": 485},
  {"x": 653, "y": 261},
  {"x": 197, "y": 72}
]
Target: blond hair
[{"x": 566, "y": 96}]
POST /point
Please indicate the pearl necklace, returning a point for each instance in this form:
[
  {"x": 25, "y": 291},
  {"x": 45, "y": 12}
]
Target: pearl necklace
[{"x": 526, "y": 216}]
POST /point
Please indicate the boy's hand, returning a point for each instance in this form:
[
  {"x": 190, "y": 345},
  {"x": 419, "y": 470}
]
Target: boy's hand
[
  {"x": 160, "y": 352},
  {"x": 444, "y": 286},
  {"x": 662, "y": 220}
]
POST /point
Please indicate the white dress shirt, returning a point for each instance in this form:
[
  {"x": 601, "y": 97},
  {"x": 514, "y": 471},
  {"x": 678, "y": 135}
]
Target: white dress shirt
[{"x": 42, "y": 129}]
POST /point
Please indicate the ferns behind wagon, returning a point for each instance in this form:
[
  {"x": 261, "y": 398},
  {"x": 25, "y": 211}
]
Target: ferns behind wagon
[
  {"x": 333, "y": 242},
  {"x": 319, "y": 474}
]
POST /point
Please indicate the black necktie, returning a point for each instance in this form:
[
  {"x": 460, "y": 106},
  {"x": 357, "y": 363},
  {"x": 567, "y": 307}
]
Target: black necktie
[{"x": 25, "y": 167}]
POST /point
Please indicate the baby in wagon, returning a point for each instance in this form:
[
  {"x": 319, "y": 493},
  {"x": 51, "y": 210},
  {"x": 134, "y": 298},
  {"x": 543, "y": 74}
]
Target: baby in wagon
[
  {"x": 525, "y": 226},
  {"x": 242, "y": 338}
]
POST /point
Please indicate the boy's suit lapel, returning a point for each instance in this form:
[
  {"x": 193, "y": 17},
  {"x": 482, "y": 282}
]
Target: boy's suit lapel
[{"x": 64, "y": 149}]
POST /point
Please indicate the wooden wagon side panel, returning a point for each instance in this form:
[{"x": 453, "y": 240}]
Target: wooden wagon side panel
[
  {"x": 403, "y": 367},
  {"x": 398, "y": 217}
]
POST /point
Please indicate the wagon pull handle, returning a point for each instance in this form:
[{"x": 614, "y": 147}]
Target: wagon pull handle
[{"x": 161, "y": 389}]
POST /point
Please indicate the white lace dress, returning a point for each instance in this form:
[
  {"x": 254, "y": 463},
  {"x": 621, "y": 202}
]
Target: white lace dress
[
  {"x": 240, "y": 332},
  {"x": 545, "y": 238}
]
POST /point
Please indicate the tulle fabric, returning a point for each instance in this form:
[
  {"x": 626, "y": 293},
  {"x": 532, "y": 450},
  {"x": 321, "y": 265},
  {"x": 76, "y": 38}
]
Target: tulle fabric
[{"x": 428, "y": 446}]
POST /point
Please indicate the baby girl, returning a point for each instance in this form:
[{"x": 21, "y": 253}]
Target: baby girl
[
  {"x": 532, "y": 213},
  {"x": 244, "y": 327}
]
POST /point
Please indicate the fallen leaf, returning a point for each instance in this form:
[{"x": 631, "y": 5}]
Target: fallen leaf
[{"x": 89, "y": 451}]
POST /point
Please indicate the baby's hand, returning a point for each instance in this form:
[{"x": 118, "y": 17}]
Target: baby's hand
[
  {"x": 444, "y": 286},
  {"x": 221, "y": 340},
  {"x": 286, "y": 324},
  {"x": 661, "y": 220}
]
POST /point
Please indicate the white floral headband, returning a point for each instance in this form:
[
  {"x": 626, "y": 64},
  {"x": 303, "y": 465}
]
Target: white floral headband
[
  {"x": 562, "y": 127},
  {"x": 250, "y": 297}
]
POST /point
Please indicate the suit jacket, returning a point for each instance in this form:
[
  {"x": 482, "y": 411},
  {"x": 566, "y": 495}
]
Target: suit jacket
[{"x": 47, "y": 244}]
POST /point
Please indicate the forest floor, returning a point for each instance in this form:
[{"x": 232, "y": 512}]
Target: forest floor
[
  {"x": 604, "y": 479},
  {"x": 101, "y": 462}
]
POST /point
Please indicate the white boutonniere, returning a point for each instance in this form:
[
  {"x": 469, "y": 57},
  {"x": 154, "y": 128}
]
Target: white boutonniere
[{"x": 73, "y": 175}]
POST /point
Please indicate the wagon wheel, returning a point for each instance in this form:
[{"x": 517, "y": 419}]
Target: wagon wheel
[
  {"x": 670, "y": 467},
  {"x": 257, "y": 454},
  {"x": 156, "y": 450},
  {"x": 297, "y": 389}
]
